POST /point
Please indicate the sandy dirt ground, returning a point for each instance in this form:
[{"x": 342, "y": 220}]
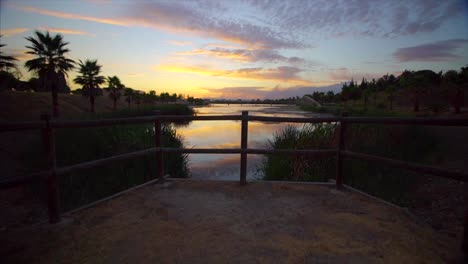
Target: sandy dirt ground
[{"x": 222, "y": 222}]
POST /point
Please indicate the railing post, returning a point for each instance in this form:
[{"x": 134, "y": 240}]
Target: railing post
[
  {"x": 465, "y": 231},
  {"x": 52, "y": 181},
  {"x": 339, "y": 155},
  {"x": 465, "y": 235},
  {"x": 158, "y": 144},
  {"x": 244, "y": 133}
]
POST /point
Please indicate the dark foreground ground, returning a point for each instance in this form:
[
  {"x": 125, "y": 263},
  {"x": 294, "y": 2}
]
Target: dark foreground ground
[{"x": 222, "y": 222}]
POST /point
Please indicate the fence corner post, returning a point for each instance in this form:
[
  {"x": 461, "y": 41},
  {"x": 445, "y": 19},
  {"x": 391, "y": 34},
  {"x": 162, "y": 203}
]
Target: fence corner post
[
  {"x": 48, "y": 137},
  {"x": 244, "y": 134},
  {"x": 339, "y": 154},
  {"x": 158, "y": 144}
]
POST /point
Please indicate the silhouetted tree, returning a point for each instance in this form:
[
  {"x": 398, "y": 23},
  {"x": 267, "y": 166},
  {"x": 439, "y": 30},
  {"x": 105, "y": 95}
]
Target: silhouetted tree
[
  {"x": 6, "y": 62},
  {"x": 128, "y": 93},
  {"x": 115, "y": 89},
  {"x": 90, "y": 79},
  {"x": 50, "y": 63}
]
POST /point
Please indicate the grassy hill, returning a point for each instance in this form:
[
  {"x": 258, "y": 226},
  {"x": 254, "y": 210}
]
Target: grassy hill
[{"x": 16, "y": 106}]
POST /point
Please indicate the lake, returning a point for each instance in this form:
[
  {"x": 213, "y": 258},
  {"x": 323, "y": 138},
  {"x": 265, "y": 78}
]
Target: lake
[{"x": 226, "y": 134}]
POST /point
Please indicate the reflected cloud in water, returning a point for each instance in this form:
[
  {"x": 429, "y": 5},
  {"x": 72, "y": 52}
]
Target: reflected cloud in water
[{"x": 226, "y": 134}]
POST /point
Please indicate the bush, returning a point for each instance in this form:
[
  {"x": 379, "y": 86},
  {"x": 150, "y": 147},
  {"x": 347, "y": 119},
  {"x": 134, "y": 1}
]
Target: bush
[
  {"x": 300, "y": 167},
  {"x": 86, "y": 144}
]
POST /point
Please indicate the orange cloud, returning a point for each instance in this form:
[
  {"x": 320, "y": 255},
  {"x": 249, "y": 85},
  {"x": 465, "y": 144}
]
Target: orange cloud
[
  {"x": 13, "y": 31},
  {"x": 66, "y": 31},
  {"x": 19, "y": 54},
  {"x": 283, "y": 73},
  {"x": 237, "y": 56},
  {"x": 70, "y": 15},
  {"x": 243, "y": 55},
  {"x": 179, "y": 43}
]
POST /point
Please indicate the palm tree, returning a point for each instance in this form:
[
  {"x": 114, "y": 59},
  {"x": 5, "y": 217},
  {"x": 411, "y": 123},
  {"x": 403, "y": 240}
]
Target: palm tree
[
  {"x": 129, "y": 94},
  {"x": 90, "y": 79},
  {"x": 6, "y": 61},
  {"x": 115, "y": 89},
  {"x": 50, "y": 63}
]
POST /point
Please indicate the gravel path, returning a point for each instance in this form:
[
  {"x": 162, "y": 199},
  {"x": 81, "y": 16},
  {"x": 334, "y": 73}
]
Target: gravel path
[{"x": 222, "y": 222}]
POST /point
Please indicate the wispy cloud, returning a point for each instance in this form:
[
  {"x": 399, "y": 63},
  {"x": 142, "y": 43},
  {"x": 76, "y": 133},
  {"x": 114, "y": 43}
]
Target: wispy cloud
[
  {"x": 364, "y": 17},
  {"x": 275, "y": 19},
  {"x": 66, "y": 31},
  {"x": 436, "y": 51},
  {"x": 282, "y": 73},
  {"x": 178, "y": 17},
  {"x": 179, "y": 43},
  {"x": 189, "y": 18},
  {"x": 244, "y": 55},
  {"x": 19, "y": 54},
  {"x": 12, "y": 31},
  {"x": 67, "y": 15},
  {"x": 136, "y": 74}
]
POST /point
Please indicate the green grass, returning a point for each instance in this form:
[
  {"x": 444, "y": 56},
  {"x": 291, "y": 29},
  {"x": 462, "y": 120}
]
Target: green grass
[
  {"x": 143, "y": 110},
  {"x": 79, "y": 145},
  {"x": 356, "y": 110},
  {"x": 300, "y": 168},
  {"x": 406, "y": 143}
]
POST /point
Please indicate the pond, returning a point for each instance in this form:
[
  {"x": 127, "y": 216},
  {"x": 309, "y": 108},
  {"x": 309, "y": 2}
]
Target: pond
[{"x": 226, "y": 134}]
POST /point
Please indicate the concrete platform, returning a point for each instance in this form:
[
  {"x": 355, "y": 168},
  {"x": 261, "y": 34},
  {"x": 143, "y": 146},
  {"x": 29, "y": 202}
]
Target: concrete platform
[{"x": 222, "y": 222}]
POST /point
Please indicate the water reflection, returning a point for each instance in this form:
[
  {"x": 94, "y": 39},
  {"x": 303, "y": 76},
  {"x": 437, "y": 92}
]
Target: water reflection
[{"x": 226, "y": 134}]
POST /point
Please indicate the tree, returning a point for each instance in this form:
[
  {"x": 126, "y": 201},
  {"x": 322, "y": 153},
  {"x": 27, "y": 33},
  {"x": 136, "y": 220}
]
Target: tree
[
  {"x": 115, "y": 89},
  {"x": 90, "y": 79},
  {"x": 454, "y": 83},
  {"x": 429, "y": 89},
  {"x": 129, "y": 94},
  {"x": 6, "y": 62},
  {"x": 50, "y": 63},
  {"x": 391, "y": 89},
  {"x": 408, "y": 81}
]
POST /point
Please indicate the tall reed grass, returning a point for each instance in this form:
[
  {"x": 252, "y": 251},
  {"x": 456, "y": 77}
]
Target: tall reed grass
[{"x": 399, "y": 142}]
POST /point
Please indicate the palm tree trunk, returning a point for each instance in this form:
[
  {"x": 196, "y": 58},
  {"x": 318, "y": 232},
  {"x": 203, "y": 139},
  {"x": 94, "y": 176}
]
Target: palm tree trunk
[
  {"x": 52, "y": 81},
  {"x": 458, "y": 101},
  {"x": 115, "y": 104},
  {"x": 91, "y": 101},
  {"x": 55, "y": 107}
]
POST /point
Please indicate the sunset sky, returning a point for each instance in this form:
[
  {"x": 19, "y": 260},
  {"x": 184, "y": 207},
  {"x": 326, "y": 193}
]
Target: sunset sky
[{"x": 246, "y": 49}]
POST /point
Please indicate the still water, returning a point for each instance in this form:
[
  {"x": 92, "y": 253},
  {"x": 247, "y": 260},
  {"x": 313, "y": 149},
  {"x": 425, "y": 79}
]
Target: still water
[{"x": 226, "y": 134}]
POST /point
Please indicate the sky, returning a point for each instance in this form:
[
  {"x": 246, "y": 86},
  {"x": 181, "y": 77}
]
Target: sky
[{"x": 247, "y": 48}]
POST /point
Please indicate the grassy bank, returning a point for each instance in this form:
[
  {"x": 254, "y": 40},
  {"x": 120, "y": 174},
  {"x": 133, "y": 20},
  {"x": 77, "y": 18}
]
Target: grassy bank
[
  {"x": 85, "y": 144},
  {"x": 300, "y": 168},
  {"x": 399, "y": 142},
  {"x": 338, "y": 109},
  {"x": 25, "y": 106},
  {"x": 80, "y": 145}
]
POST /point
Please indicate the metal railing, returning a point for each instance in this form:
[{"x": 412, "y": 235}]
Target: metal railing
[{"x": 48, "y": 126}]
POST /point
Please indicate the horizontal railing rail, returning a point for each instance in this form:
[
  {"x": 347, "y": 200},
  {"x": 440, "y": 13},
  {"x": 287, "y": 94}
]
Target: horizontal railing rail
[
  {"x": 48, "y": 126},
  {"x": 15, "y": 126}
]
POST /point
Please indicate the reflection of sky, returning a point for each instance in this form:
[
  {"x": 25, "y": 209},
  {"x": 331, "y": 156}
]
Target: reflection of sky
[{"x": 226, "y": 134}]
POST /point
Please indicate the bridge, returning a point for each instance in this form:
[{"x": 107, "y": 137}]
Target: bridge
[{"x": 169, "y": 220}]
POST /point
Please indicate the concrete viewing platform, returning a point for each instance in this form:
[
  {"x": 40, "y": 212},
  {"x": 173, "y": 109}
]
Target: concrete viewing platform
[{"x": 188, "y": 221}]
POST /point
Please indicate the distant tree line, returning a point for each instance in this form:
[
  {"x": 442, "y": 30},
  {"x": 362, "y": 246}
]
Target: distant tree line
[
  {"x": 290, "y": 100},
  {"x": 436, "y": 91}
]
